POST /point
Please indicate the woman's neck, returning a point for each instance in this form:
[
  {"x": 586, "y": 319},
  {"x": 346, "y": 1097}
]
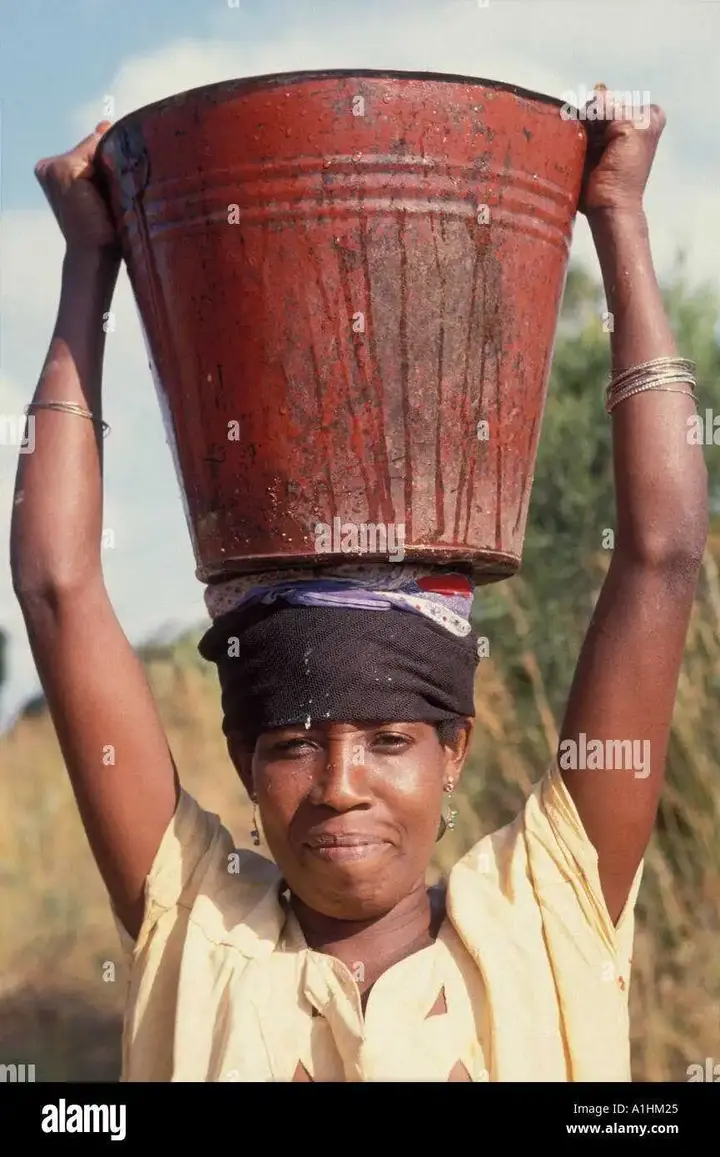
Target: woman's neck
[{"x": 368, "y": 948}]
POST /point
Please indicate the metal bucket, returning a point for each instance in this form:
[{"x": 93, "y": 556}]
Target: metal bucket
[{"x": 349, "y": 284}]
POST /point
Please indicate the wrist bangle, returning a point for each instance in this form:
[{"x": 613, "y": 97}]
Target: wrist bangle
[
  {"x": 69, "y": 408},
  {"x": 671, "y": 374}
]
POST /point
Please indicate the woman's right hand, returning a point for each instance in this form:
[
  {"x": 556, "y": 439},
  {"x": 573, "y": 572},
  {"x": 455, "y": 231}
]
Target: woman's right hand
[{"x": 68, "y": 182}]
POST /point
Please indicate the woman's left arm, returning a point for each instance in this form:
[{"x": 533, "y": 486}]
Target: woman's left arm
[{"x": 623, "y": 693}]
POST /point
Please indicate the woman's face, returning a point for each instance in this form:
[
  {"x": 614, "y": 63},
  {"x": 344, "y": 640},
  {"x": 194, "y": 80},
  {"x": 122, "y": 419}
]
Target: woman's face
[{"x": 351, "y": 811}]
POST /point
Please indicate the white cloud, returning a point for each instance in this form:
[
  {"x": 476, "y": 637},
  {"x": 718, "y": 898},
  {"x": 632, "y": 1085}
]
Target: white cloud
[
  {"x": 544, "y": 45},
  {"x": 549, "y": 47}
]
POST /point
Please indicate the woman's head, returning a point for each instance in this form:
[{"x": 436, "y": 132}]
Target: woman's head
[
  {"x": 350, "y": 811},
  {"x": 290, "y": 677}
]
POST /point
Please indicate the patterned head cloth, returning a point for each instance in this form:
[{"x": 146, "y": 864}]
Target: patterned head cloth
[{"x": 348, "y": 643}]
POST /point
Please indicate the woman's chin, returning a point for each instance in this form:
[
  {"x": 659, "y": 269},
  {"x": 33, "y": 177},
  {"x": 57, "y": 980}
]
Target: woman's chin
[{"x": 348, "y": 891}]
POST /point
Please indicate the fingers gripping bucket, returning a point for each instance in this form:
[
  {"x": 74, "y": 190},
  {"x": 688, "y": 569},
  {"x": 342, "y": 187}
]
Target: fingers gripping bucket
[{"x": 349, "y": 285}]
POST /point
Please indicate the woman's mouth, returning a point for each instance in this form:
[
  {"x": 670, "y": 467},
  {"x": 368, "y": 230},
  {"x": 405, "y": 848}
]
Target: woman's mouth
[{"x": 345, "y": 847}]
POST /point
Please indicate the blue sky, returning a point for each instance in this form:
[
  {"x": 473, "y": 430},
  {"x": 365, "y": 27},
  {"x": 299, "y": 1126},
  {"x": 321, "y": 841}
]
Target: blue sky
[
  {"x": 56, "y": 52},
  {"x": 60, "y": 58}
]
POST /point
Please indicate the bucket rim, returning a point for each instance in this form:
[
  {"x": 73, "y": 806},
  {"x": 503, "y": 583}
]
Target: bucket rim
[{"x": 277, "y": 79}]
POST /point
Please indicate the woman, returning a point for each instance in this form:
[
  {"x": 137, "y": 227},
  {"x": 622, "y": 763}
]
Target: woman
[{"x": 338, "y": 964}]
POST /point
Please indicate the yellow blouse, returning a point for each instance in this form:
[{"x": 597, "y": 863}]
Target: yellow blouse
[{"x": 527, "y": 980}]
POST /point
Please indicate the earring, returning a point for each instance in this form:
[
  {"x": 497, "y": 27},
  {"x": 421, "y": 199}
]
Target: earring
[
  {"x": 254, "y": 831},
  {"x": 451, "y": 817},
  {"x": 449, "y": 820}
]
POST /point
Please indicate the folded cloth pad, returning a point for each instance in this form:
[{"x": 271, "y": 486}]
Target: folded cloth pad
[{"x": 293, "y": 647}]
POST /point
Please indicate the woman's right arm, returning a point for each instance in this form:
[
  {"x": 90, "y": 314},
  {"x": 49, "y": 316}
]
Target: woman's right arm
[{"x": 106, "y": 721}]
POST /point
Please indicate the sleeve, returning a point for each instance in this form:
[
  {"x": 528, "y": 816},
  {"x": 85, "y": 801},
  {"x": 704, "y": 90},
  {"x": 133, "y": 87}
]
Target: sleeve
[
  {"x": 188, "y": 848},
  {"x": 564, "y": 867}
]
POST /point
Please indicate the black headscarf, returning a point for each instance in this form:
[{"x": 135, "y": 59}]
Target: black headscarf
[{"x": 283, "y": 665}]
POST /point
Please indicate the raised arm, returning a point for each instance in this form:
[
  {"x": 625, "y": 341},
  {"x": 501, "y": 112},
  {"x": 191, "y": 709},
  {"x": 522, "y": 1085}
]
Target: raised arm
[
  {"x": 626, "y": 679},
  {"x": 104, "y": 715}
]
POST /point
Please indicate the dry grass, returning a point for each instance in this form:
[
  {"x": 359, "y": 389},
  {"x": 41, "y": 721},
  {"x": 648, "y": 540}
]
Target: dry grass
[
  {"x": 62, "y": 974},
  {"x": 61, "y": 1002}
]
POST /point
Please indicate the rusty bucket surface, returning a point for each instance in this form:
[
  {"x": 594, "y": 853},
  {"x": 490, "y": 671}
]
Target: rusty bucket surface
[{"x": 349, "y": 284}]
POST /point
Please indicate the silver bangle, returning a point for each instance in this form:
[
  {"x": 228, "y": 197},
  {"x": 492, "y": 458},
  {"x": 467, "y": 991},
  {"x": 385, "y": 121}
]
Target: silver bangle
[
  {"x": 622, "y": 397},
  {"x": 659, "y": 374}
]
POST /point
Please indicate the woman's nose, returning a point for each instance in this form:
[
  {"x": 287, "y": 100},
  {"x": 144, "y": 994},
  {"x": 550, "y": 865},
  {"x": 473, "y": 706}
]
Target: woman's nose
[{"x": 342, "y": 782}]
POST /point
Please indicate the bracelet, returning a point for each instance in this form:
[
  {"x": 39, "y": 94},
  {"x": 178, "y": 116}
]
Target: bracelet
[
  {"x": 690, "y": 393},
  {"x": 676, "y": 363},
  {"x": 648, "y": 382},
  {"x": 664, "y": 374},
  {"x": 69, "y": 408}
]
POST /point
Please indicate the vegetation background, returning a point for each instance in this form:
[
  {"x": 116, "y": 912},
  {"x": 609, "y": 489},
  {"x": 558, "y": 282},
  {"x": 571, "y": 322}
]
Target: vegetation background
[{"x": 62, "y": 976}]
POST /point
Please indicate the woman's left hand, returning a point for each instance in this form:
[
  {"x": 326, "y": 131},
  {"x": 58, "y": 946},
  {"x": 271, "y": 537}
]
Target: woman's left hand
[{"x": 622, "y": 143}]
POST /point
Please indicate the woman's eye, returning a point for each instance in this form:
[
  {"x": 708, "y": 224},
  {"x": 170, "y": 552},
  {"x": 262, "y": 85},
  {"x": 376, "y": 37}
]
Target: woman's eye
[
  {"x": 388, "y": 739},
  {"x": 292, "y": 747}
]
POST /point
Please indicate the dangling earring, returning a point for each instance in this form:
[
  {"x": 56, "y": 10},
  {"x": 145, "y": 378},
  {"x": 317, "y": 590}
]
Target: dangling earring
[
  {"x": 254, "y": 832},
  {"x": 447, "y": 821},
  {"x": 451, "y": 817}
]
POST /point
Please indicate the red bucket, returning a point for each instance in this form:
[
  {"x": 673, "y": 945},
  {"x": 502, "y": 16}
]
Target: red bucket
[{"x": 349, "y": 284}]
